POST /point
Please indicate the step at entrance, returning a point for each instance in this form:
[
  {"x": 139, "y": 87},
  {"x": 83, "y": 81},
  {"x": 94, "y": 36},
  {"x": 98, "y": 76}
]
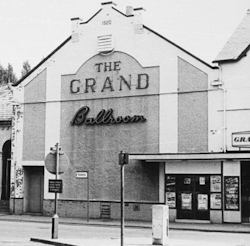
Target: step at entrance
[
  {"x": 105, "y": 211},
  {"x": 4, "y": 206}
]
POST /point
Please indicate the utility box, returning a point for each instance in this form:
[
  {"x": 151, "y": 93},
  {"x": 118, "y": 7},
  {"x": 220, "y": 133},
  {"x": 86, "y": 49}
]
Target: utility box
[{"x": 160, "y": 224}]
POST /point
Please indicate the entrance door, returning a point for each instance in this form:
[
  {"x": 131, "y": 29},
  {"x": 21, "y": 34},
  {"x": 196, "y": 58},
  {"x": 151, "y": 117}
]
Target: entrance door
[
  {"x": 193, "y": 197},
  {"x": 35, "y": 190},
  {"x": 245, "y": 191}
]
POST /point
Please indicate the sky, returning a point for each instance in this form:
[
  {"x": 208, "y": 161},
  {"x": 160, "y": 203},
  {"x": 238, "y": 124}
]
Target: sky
[{"x": 32, "y": 29}]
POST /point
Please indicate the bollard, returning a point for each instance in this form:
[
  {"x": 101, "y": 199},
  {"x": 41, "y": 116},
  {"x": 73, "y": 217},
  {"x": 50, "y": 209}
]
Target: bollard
[{"x": 55, "y": 222}]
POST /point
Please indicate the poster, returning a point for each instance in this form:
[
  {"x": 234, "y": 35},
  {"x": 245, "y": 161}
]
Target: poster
[
  {"x": 215, "y": 183},
  {"x": 202, "y": 180},
  {"x": 186, "y": 201},
  {"x": 171, "y": 199},
  {"x": 202, "y": 201},
  {"x": 215, "y": 201},
  {"x": 170, "y": 183},
  {"x": 232, "y": 193}
]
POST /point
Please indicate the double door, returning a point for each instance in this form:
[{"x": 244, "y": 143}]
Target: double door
[{"x": 193, "y": 197}]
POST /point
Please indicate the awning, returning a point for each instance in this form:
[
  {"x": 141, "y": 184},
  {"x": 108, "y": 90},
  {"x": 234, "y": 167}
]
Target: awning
[{"x": 191, "y": 156}]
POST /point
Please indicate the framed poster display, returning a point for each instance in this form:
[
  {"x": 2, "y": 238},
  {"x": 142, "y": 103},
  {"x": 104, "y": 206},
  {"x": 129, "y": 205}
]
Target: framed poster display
[
  {"x": 215, "y": 201},
  {"x": 231, "y": 192},
  {"x": 215, "y": 183}
]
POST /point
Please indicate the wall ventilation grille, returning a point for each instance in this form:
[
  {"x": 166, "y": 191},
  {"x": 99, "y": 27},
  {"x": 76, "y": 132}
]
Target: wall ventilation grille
[
  {"x": 105, "y": 44},
  {"x": 105, "y": 211}
]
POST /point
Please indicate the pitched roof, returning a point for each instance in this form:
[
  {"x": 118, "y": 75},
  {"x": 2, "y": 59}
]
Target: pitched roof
[
  {"x": 5, "y": 103},
  {"x": 238, "y": 44}
]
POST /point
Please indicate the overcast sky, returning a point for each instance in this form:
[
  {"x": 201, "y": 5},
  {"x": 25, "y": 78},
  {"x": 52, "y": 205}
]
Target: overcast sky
[{"x": 31, "y": 29}]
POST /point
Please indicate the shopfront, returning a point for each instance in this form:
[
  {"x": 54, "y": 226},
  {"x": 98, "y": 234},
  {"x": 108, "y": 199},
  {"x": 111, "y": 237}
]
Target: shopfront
[{"x": 208, "y": 188}]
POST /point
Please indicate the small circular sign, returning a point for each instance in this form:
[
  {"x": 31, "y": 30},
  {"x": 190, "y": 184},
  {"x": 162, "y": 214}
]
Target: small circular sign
[{"x": 50, "y": 163}]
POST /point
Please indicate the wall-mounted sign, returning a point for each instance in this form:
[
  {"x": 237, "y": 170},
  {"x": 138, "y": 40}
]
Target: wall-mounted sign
[
  {"x": 241, "y": 139},
  {"x": 103, "y": 117},
  {"x": 55, "y": 185},
  {"x": 116, "y": 75},
  {"x": 81, "y": 175}
]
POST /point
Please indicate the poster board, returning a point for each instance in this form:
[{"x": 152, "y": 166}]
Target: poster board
[{"x": 231, "y": 192}]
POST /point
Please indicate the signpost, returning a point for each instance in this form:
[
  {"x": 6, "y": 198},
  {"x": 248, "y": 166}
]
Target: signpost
[
  {"x": 84, "y": 175},
  {"x": 53, "y": 163},
  {"x": 123, "y": 159}
]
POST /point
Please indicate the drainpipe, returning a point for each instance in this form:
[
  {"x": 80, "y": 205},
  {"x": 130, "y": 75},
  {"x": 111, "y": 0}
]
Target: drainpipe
[{"x": 222, "y": 87}]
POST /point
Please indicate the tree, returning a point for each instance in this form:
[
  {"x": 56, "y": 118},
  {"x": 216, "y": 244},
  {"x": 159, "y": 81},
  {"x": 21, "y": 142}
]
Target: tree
[
  {"x": 7, "y": 75},
  {"x": 26, "y": 68}
]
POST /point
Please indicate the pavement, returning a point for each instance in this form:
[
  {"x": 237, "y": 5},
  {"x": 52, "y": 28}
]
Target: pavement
[{"x": 203, "y": 227}]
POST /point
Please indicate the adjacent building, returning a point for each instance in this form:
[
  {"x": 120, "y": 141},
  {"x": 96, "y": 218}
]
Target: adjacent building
[
  {"x": 117, "y": 85},
  {"x": 6, "y": 116}
]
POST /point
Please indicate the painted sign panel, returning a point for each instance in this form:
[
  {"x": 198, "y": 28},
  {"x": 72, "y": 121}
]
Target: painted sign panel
[
  {"x": 241, "y": 139},
  {"x": 116, "y": 75}
]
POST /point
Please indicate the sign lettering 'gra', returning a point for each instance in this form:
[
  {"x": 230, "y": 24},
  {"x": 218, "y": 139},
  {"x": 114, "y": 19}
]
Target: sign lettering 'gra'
[
  {"x": 103, "y": 117},
  {"x": 109, "y": 83}
]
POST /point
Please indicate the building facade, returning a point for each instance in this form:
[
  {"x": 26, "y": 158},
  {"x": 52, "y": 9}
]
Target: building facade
[
  {"x": 116, "y": 85},
  {"x": 6, "y": 115}
]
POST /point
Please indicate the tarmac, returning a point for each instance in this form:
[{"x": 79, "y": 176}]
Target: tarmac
[{"x": 203, "y": 227}]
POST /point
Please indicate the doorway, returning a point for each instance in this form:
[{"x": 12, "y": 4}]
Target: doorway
[
  {"x": 245, "y": 191},
  {"x": 34, "y": 189},
  {"x": 193, "y": 197},
  {"x": 6, "y": 165}
]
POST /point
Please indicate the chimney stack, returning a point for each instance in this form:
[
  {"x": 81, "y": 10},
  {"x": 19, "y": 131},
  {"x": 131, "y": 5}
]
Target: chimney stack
[
  {"x": 138, "y": 25},
  {"x": 75, "y": 23},
  {"x": 129, "y": 10}
]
